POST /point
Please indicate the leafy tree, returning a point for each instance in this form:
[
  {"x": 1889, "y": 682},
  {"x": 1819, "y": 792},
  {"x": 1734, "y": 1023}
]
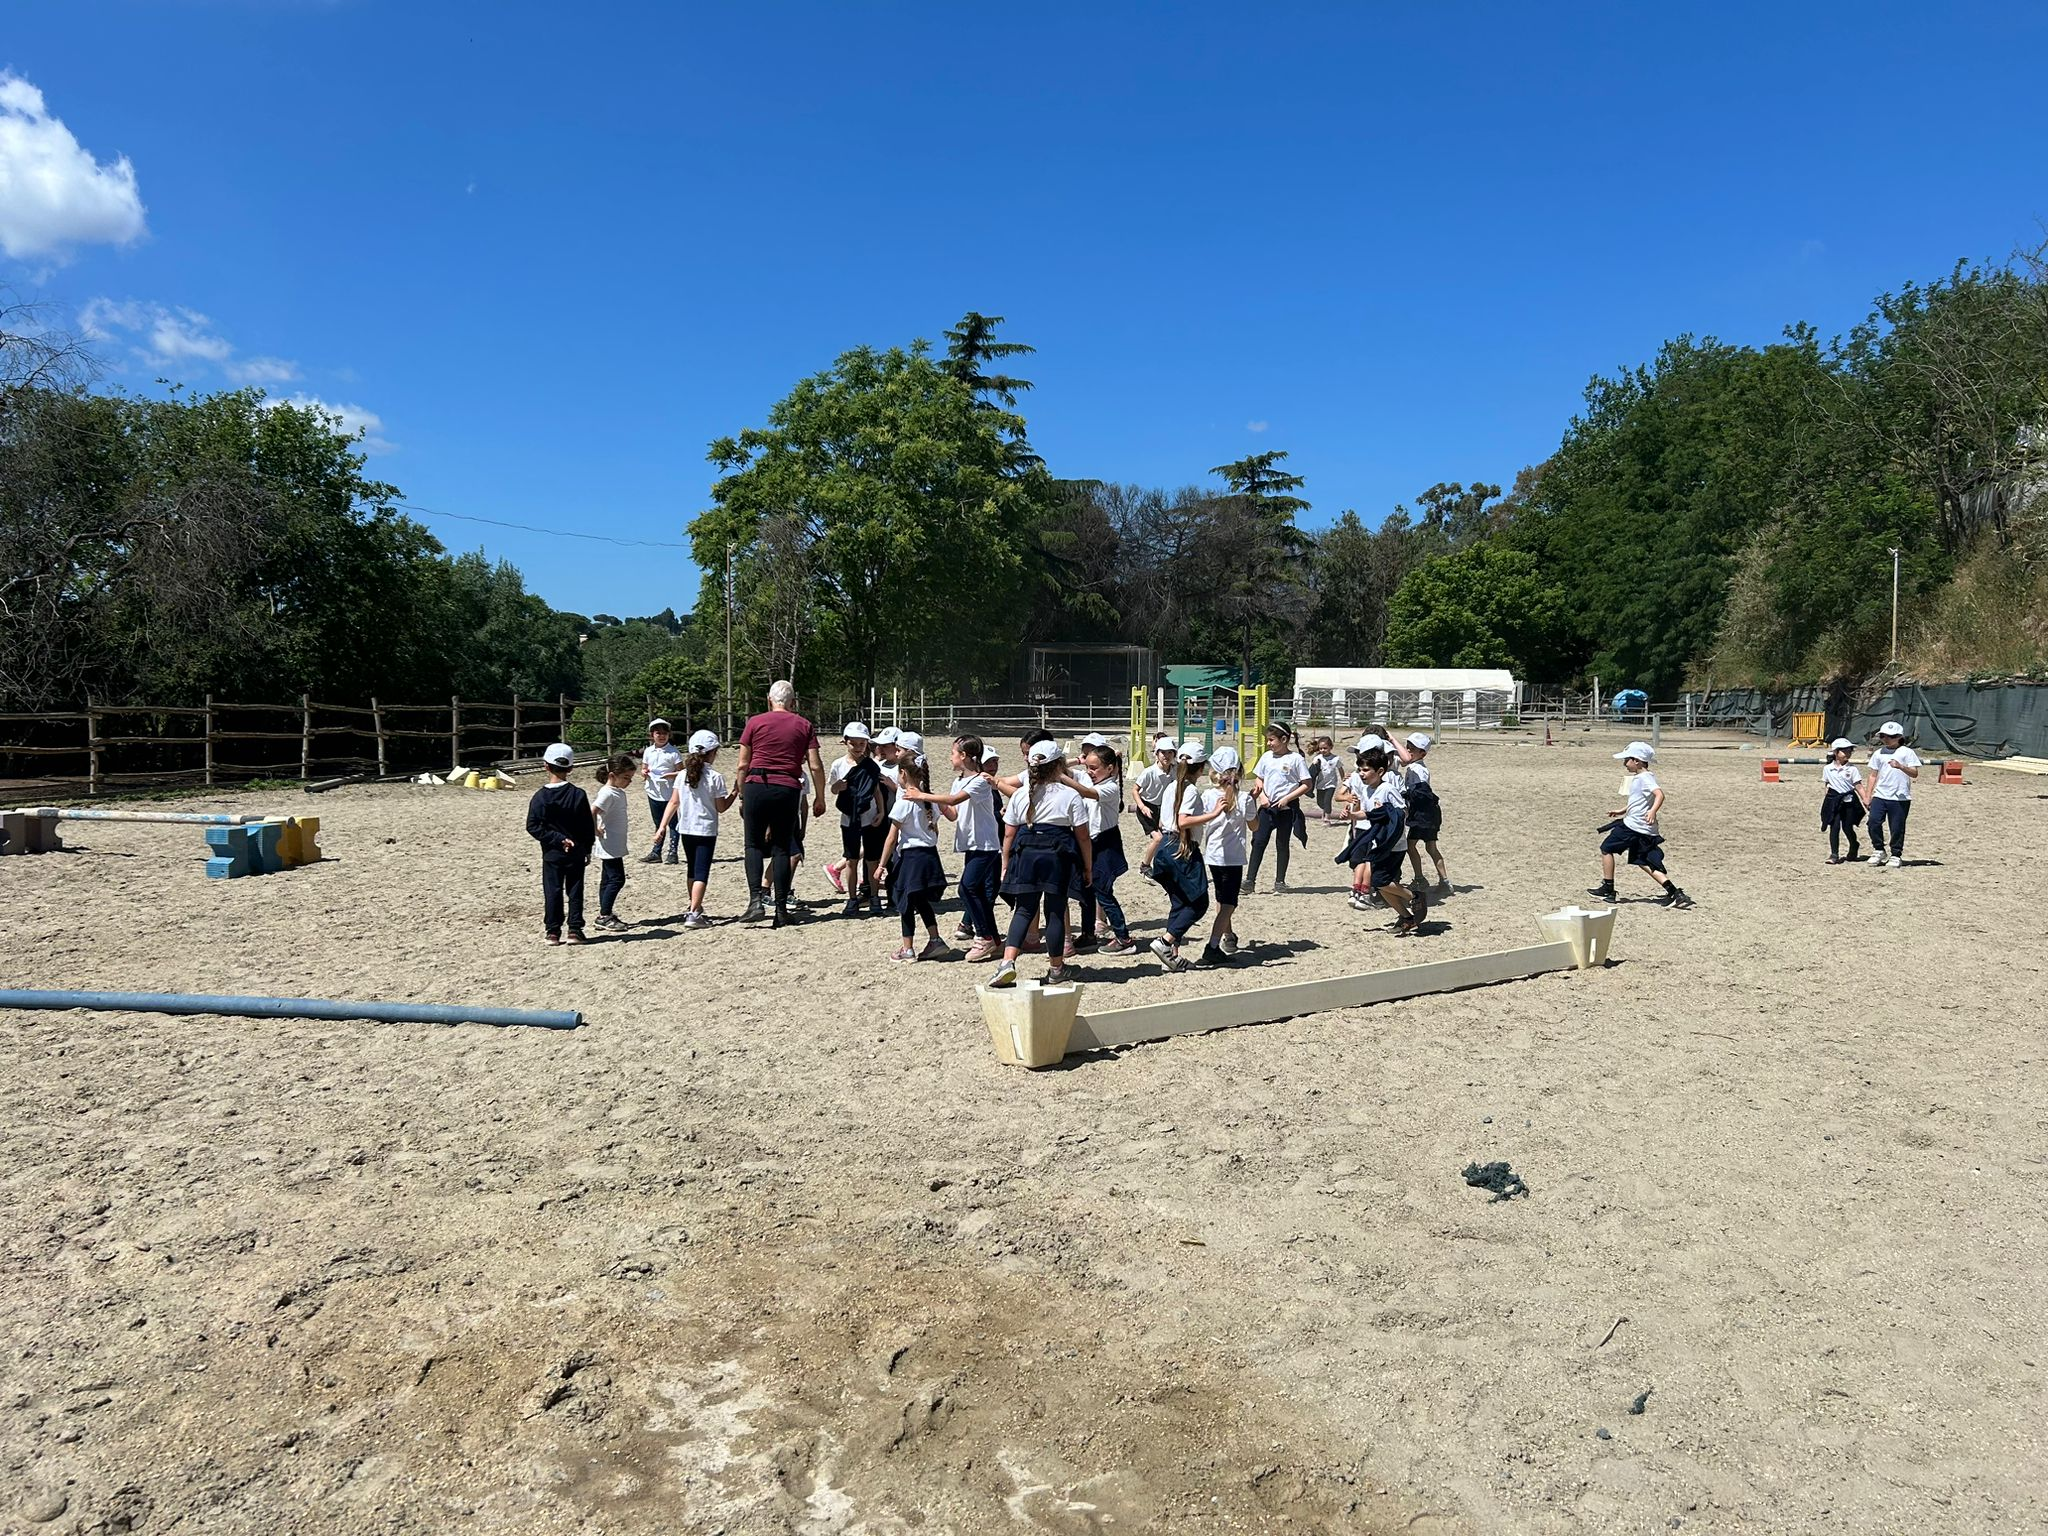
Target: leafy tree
[
  {"x": 892, "y": 489},
  {"x": 1263, "y": 587},
  {"x": 616, "y": 654},
  {"x": 1485, "y": 605}
]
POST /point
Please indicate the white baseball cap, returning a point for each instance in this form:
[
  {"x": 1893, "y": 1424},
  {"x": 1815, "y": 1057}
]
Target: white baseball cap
[
  {"x": 1641, "y": 751},
  {"x": 888, "y": 736},
  {"x": 1165, "y": 744},
  {"x": 1891, "y": 728},
  {"x": 1419, "y": 741},
  {"x": 1225, "y": 760},
  {"x": 1192, "y": 752},
  {"x": 1095, "y": 739},
  {"x": 991, "y": 755},
  {"x": 1369, "y": 741},
  {"x": 1841, "y": 744},
  {"x": 855, "y": 731},
  {"x": 559, "y": 755},
  {"x": 1044, "y": 752},
  {"x": 704, "y": 741},
  {"x": 910, "y": 742},
  {"x": 658, "y": 724}
]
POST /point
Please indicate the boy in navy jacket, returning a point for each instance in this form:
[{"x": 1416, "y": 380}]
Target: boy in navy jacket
[{"x": 558, "y": 818}]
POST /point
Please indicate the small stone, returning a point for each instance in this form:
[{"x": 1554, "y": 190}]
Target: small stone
[
  {"x": 43, "y": 1508},
  {"x": 1601, "y": 1434}
]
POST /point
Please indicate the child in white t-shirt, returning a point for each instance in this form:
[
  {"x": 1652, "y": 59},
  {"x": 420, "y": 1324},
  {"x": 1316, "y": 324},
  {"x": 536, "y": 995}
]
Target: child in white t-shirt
[
  {"x": 1893, "y": 768},
  {"x": 660, "y": 762},
  {"x": 1223, "y": 816},
  {"x": 701, "y": 797},
  {"x": 1632, "y": 831},
  {"x": 1841, "y": 799},
  {"x": 610, "y": 807}
]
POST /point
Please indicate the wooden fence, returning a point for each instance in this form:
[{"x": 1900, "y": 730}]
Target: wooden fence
[{"x": 129, "y": 746}]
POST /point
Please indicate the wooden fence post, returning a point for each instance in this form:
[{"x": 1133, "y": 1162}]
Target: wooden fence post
[
  {"x": 609, "y": 749},
  {"x": 513, "y": 756},
  {"x": 454, "y": 732},
  {"x": 209, "y": 741},
  {"x": 377, "y": 725},
  {"x": 92, "y": 748},
  {"x": 562, "y": 716},
  {"x": 305, "y": 737}
]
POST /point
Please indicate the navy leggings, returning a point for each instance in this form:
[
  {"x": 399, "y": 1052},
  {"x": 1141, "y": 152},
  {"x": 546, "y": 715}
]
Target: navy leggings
[
  {"x": 979, "y": 875},
  {"x": 1026, "y": 910},
  {"x": 1889, "y": 813},
  {"x": 1103, "y": 894}
]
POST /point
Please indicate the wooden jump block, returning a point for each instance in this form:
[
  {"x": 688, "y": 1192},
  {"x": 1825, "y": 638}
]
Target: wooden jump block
[
  {"x": 1024, "y": 1023},
  {"x": 298, "y": 840},
  {"x": 33, "y": 829},
  {"x": 231, "y": 853}
]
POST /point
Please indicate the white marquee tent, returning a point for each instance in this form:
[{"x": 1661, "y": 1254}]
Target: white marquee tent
[{"x": 1429, "y": 696}]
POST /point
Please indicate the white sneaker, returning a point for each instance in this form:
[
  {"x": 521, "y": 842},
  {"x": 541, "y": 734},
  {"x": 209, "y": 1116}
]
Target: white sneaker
[
  {"x": 1894, "y": 861},
  {"x": 1164, "y": 951},
  {"x": 1005, "y": 976},
  {"x": 1876, "y": 859}
]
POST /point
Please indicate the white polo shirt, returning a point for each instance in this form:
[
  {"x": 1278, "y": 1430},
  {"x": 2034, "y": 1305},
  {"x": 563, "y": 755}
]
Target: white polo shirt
[
  {"x": 1281, "y": 773},
  {"x": 1891, "y": 783}
]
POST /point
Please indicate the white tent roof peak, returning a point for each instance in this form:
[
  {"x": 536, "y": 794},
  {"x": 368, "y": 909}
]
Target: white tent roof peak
[{"x": 1405, "y": 679}]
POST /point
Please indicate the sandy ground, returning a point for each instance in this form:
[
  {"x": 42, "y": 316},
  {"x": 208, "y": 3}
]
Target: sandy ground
[{"x": 773, "y": 1244}]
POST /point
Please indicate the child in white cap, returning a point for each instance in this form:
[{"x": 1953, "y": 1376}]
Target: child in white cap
[
  {"x": 1045, "y": 838},
  {"x": 558, "y": 818},
  {"x": 1222, "y": 818},
  {"x": 1152, "y": 780},
  {"x": 1174, "y": 857},
  {"x": 1841, "y": 799},
  {"x": 856, "y": 783},
  {"x": 1425, "y": 811},
  {"x": 1893, "y": 768},
  {"x": 700, "y": 798},
  {"x": 1635, "y": 833},
  {"x": 659, "y": 762}
]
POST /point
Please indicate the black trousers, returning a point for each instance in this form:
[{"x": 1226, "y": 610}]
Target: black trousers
[
  {"x": 1284, "y": 821},
  {"x": 561, "y": 886},
  {"x": 769, "y": 814}
]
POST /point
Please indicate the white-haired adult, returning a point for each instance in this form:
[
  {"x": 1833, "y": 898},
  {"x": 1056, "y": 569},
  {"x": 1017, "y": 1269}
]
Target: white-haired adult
[{"x": 774, "y": 749}]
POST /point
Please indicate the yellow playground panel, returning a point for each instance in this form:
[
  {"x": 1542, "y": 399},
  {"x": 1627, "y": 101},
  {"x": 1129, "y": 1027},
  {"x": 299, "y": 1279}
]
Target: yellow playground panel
[
  {"x": 1809, "y": 730},
  {"x": 1141, "y": 751},
  {"x": 1252, "y": 717}
]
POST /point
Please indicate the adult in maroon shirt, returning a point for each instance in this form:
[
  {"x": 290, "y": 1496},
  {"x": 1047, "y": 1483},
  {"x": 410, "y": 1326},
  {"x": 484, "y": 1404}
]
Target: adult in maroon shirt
[{"x": 774, "y": 749}]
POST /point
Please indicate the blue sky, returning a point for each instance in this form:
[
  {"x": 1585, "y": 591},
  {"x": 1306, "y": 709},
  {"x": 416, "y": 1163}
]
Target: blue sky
[{"x": 554, "y": 250}]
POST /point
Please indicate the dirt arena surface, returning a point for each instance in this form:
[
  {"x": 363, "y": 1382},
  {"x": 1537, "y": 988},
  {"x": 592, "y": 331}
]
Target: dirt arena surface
[{"x": 774, "y": 1245}]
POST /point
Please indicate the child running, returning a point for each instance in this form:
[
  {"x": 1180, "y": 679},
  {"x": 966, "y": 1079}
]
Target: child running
[
  {"x": 1384, "y": 837},
  {"x": 856, "y": 784},
  {"x": 701, "y": 797},
  {"x": 1841, "y": 800},
  {"x": 608, "y": 807},
  {"x": 1046, "y": 834},
  {"x": 1105, "y": 769},
  {"x": 1635, "y": 833},
  {"x": 1425, "y": 812},
  {"x": 910, "y": 852},
  {"x": 1173, "y": 860},
  {"x": 1350, "y": 811},
  {"x": 558, "y": 818},
  {"x": 1222, "y": 818}
]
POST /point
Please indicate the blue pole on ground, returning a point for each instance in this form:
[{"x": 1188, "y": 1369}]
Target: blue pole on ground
[{"x": 290, "y": 1008}]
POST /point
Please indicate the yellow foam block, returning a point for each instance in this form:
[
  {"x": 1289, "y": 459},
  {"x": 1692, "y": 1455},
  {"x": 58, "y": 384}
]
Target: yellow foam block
[{"x": 299, "y": 842}]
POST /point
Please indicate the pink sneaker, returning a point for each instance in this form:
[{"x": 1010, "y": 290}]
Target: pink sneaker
[
  {"x": 980, "y": 950},
  {"x": 906, "y": 954},
  {"x": 832, "y": 874}
]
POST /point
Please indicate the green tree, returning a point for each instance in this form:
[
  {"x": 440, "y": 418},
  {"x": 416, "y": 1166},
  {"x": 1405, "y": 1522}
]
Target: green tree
[
  {"x": 890, "y": 490},
  {"x": 1261, "y": 589},
  {"x": 1481, "y": 606}
]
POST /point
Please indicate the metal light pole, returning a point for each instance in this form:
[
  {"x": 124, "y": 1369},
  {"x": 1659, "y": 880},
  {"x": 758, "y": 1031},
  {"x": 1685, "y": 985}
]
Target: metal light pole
[
  {"x": 1895, "y": 607},
  {"x": 726, "y": 734}
]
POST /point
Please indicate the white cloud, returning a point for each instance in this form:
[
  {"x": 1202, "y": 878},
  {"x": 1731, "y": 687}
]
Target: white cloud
[
  {"x": 166, "y": 337},
  {"x": 353, "y": 419},
  {"x": 1256, "y": 426},
  {"x": 53, "y": 193},
  {"x": 263, "y": 370}
]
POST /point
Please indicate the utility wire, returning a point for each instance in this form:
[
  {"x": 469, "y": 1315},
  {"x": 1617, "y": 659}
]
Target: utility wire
[{"x": 553, "y": 533}]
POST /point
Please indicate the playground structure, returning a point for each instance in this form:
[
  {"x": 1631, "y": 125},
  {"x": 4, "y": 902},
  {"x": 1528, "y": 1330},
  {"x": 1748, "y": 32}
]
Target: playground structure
[
  {"x": 239, "y": 844},
  {"x": 1214, "y": 713},
  {"x": 1036, "y": 1026}
]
